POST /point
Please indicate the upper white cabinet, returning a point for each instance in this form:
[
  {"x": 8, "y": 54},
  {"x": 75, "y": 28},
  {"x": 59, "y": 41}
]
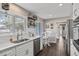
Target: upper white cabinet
[
  {"x": 8, "y": 52},
  {"x": 25, "y": 49},
  {"x": 75, "y": 10}
]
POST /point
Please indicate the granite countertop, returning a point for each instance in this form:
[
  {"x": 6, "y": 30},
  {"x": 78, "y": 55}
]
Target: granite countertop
[{"x": 7, "y": 45}]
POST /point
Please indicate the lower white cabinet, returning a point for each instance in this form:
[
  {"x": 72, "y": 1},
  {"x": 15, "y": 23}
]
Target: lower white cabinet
[
  {"x": 74, "y": 51},
  {"x": 8, "y": 52},
  {"x": 25, "y": 49}
]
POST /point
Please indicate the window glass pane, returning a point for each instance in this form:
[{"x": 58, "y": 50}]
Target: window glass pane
[
  {"x": 11, "y": 24},
  {"x": 19, "y": 20},
  {"x": 6, "y": 23},
  {"x": 3, "y": 23},
  {"x": 19, "y": 24}
]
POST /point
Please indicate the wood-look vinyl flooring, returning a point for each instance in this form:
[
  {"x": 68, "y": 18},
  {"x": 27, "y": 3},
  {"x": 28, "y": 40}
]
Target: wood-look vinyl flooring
[{"x": 56, "y": 49}]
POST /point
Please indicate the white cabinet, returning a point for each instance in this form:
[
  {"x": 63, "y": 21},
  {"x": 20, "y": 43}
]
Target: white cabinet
[
  {"x": 73, "y": 50},
  {"x": 75, "y": 33},
  {"x": 75, "y": 10},
  {"x": 25, "y": 49},
  {"x": 8, "y": 52}
]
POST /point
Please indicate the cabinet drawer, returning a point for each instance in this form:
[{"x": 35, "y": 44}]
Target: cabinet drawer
[{"x": 8, "y": 52}]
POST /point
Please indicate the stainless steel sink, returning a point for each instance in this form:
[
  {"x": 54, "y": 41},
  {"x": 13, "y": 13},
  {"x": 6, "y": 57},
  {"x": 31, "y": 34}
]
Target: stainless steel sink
[{"x": 18, "y": 41}]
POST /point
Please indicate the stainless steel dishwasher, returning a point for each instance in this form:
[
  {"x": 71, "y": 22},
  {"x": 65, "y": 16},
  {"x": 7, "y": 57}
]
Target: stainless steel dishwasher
[{"x": 36, "y": 46}]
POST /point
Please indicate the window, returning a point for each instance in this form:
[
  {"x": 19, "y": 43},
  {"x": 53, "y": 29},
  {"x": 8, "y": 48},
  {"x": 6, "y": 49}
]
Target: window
[
  {"x": 6, "y": 23},
  {"x": 19, "y": 24},
  {"x": 11, "y": 24}
]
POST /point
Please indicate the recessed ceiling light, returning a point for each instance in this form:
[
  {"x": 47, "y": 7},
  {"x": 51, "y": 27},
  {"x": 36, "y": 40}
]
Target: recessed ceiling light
[{"x": 60, "y": 4}]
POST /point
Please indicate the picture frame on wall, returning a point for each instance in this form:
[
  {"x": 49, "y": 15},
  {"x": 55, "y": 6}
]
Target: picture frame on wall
[
  {"x": 51, "y": 26},
  {"x": 31, "y": 22}
]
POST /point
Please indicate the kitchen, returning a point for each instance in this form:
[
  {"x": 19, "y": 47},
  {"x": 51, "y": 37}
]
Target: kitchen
[{"x": 29, "y": 30}]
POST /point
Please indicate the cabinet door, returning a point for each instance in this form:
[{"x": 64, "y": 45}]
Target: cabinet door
[
  {"x": 25, "y": 49},
  {"x": 30, "y": 48},
  {"x": 8, "y": 52},
  {"x": 74, "y": 51},
  {"x": 75, "y": 10}
]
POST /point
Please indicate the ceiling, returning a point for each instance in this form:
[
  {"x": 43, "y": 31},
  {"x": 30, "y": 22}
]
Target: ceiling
[{"x": 48, "y": 10}]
